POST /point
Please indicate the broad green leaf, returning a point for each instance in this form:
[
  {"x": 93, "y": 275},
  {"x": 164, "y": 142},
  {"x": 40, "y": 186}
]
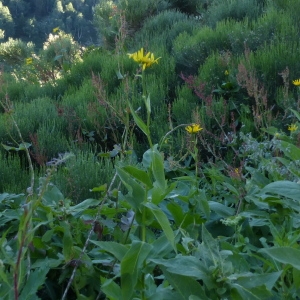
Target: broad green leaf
[
  {"x": 204, "y": 204},
  {"x": 47, "y": 262},
  {"x": 296, "y": 114},
  {"x": 158, "y": 195},
  {"x": 82, "y": 206},
  {"x": 210, "y": 248},
  {"x": 137, "y": 191},
  {"x": 139, "y": 122},
  {"x": 21, "y": 147},
  {"x": 283, "y": 188},
  {"x": 221, "y": 209},
  {"x": 185, "y": 286},
  {"x": 139, "y": 174},
  {"x": 161, "y": 247},
  {"x": 152, "y": 159},
  {"x": 285, "y": 255},
  {"x": 52, "y": 196},
  {"x": 290, "y": 150},
  {"x": 239, "y": 292},
  {"x": 177, "y": 212},
  {"x": 132, "y": 267},
  {"x": 116, "y": 249},
  {"x": 163, "y": 221},
  {"x": 291, "y": 167},
  {"x": 231, "y": 188},
  {"x": 35, "y": 280},
  {"x": 184, "y": 265},
  {"x": 157, "y": 167},
  {"x": 111, "y": 289},
  {"x": 253, "y": 280}
]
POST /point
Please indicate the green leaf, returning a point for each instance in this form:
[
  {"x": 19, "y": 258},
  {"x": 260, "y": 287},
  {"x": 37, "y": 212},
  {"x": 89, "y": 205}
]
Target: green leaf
[
  {"x": 296, "y": 114},
  {"x": 52, "y": 196},
  {"x": 161, "y": 247},
  {"x": 283, "y": 188},
  {"x": 152, "y": 159},
  {"x": 82, "y": 206},
  {"x": 67, "y": 242},
  {"x": 177, "y": 212},
  {"x": 185, "y": 286},
  {"x": 221, "y": 209},
  {"x": 140, "y": 175},
  {"x": 290, "y": 150},
  {"x": 184, "y": 265},
  {"x": 163, "y": 221},
  {"x": 285, "y": 255},
  {"x": 116, "y": 249},
  {"x": 253, "y": 280},
  {"x": 148, "y": 104},
  {"x": 111, "y": 289},
  {"x": 157, "y": 167},
  {"x": 210, "y": 248},
  {"x": 119, "y": 75},
  {"x": 57, "y": 57},
  {"x": 101, "y": 188},
  {"x": 132, "y": 267},
  {"x": 139, "y": 122},
  {"x": 231, "y": 188},
  {"x": 204, "y": 204},
  {"x": 35, "y": 280},
  {"x": 22, "y": 146},
  {"x": 239, "y": 292},
  {"x": 137, "y": 191}
]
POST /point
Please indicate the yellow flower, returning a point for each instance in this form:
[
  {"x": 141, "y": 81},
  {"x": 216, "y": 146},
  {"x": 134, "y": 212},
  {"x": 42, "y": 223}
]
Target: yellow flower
[
  {"x": 193, "y": 128},
  {"x": 145, "y": 60},
  {"x": 226, "y": 73},
  {"x": 296, "y": 82},
  {"x": 56, "y": 29},
  {"x": 28, "y": 60},
  {"x": 292, "y": 127}
]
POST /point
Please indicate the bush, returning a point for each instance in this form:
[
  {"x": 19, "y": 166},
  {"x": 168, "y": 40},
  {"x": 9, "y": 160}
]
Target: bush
[{"x": 14, "y": 51}]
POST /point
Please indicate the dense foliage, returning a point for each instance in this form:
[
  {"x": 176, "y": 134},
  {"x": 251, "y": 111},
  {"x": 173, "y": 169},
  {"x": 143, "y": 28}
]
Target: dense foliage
[
  {"x": 163, "y": 164},
  {"x": 32, "y": 20}
]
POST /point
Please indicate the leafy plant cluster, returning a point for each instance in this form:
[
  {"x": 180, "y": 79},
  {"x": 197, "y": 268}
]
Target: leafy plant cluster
[{"x": 162, "y": 165}]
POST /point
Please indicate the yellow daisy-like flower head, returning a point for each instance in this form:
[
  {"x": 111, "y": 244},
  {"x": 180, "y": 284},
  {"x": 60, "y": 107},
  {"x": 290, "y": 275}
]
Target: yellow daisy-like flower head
[
  {"x": 193, "y": 128},
  {"x": 226, "y": 72},
  {"x": 296, "y": 82},
  {"x": 292, "y": 127},
  {"x": 56, "y": 29},
  {"x": 28, "y": 61},
  {"x": 144, "y": 60}
]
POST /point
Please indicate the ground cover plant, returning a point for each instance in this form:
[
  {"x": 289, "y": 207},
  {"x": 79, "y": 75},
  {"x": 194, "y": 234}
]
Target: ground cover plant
[{"x": 163, "y": 164}]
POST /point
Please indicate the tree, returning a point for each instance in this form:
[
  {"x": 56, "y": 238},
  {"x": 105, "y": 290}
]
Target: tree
[{"x": 6, "y": 21}]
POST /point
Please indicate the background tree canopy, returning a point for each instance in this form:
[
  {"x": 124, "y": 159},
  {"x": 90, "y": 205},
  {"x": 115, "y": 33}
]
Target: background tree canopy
[{"x": 32, "y": 20}]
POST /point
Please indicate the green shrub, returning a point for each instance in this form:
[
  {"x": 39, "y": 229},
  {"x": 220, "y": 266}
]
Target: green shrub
[
  {"x": 30, "y": 117},
  {"x": 14, "y": 174},
  {"x": 81, "y": 173},
  {"x": 14, "y": 51},
  {"x": 163, "y": 28},
  {"x": 232, "y": 9}
]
